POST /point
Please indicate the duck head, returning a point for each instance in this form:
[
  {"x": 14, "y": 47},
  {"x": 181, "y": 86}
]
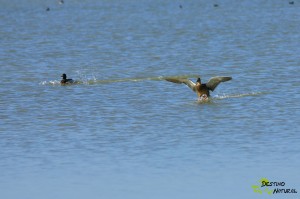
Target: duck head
[
  {"x": 198, "y": 81},
  {"x": 64, "y": 76}
]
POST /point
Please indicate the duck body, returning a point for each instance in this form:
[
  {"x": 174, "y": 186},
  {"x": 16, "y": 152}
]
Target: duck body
[
  {"x": 66, "y": 81},
  {"x": 201, "y": 90}
]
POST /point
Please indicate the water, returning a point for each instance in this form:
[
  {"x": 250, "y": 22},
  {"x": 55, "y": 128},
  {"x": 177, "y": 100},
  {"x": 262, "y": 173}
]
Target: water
[{"x": 124, "y": 132}]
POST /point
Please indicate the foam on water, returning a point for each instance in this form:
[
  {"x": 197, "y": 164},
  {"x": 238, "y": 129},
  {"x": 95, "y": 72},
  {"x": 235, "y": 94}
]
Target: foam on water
[
  {"x": 225, "y": 96},
  {"x": 212, "y": 99}
]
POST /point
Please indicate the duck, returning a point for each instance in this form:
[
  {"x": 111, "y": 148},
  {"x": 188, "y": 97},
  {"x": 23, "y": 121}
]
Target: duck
[
  {"x": 65, "y": 81},
  {"x": 202, "y": 89}
]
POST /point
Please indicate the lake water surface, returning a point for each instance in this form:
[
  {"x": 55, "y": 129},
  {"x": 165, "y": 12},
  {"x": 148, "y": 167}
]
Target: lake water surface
[{"x": 124, "y": 132}]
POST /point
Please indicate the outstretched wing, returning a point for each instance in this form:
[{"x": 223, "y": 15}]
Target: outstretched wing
[
  {"x": 185, "y": 81},
  {"x": 215, "y": 81}
]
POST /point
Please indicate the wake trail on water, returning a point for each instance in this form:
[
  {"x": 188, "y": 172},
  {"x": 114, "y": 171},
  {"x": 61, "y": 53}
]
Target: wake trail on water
[
  {"x": 83, "y": 80},
  {"x": 93, "y": 81},
  {"x": 226, "y": 96},
  {"x": 216, "y": 98}
]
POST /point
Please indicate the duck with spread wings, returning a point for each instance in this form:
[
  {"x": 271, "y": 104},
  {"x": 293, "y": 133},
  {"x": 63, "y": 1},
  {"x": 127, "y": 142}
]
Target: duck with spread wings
[{"x": 202, "y": 89}]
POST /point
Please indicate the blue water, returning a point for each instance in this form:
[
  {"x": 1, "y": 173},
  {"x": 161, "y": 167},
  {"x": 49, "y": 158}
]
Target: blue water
[{"x": 124, "y": 132}]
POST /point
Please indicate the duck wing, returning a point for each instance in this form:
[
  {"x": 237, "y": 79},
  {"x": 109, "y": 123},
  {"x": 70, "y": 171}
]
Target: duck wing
[
  {"x": 185, "y": 81},
  {"x": 215, "y": 81}
]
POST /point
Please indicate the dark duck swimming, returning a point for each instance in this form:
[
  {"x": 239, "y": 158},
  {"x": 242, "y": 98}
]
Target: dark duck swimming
[
  {"x": 66, "y": 81},
  {"x": 202, "y": 89}
]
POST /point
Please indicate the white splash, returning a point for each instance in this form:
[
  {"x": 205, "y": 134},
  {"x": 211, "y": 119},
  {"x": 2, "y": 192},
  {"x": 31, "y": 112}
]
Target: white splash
[{"x": 50, "y": 83}]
